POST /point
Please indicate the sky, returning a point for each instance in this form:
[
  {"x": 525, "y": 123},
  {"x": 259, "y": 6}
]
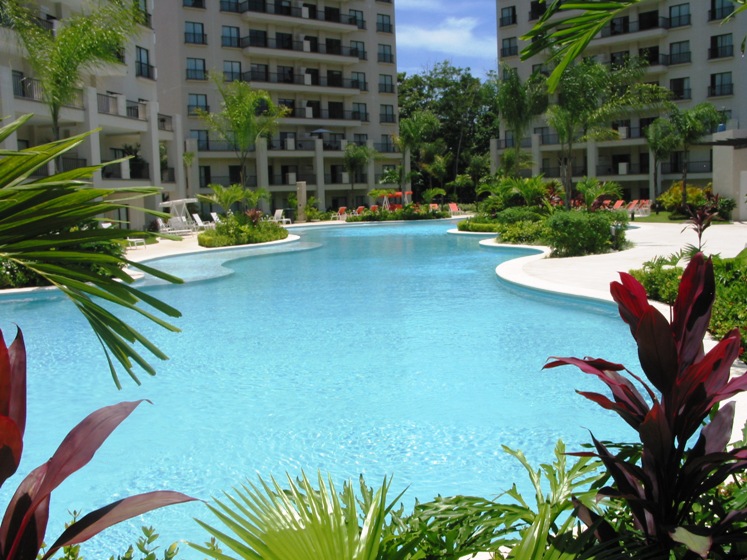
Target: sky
[{"x": 431, "y": 31}]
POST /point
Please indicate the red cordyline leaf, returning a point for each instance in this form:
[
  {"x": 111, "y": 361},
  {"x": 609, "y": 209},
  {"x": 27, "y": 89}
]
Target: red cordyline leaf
[
  {"x": 692, "y": 309},
  {"x": 17, "y": 409},
  {"x": 656, "y": 438},
  {"x": 96, "y": 521},
  {"x": 18, "y": 542},
  {"x": 74, "y": 452},
  {"x": 632, "y": 300},
  {"x": 656, "y": 350},
  {"x": 12, "y": 412}
]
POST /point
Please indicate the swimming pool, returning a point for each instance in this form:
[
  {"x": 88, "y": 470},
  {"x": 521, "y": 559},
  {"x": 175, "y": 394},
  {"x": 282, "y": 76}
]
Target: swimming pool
[{"x": 387, "y": 349}]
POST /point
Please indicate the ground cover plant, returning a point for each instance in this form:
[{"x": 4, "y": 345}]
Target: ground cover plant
[{"x": 242, "y": 228}]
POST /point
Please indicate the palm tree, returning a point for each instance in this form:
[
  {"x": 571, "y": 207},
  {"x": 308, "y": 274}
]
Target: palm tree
[
  {"x": 518, "y": 104},
  {"x": 246, "y": 115},
  {"x": 40, "y": 231},
  {"x": 413, "y": 133},
  {"x": 225, "y": 197},
  {"x": 80, "y": 44},
  {"x": 592, "y": 188},
  {"x": 355, "y": 160},
  {"x": 662, "y": 141}
]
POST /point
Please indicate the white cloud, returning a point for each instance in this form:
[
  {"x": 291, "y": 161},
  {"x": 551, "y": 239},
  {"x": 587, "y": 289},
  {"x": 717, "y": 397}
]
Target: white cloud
[{"x": 452, "y": 36}]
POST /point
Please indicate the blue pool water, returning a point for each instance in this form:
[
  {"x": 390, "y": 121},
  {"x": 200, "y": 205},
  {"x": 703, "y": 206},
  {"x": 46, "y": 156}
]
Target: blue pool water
[{"x": 377, "y": 349}]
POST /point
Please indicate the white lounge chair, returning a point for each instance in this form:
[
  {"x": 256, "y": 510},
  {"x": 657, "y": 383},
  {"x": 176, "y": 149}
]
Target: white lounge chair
[
  {"x": 200, "y": 224},
  {"x": 279, "y": 218},
  {"x": 216, "y": 217}
]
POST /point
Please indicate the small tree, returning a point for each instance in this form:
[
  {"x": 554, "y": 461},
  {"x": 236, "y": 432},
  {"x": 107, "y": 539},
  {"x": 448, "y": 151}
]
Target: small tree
[
  {"x": 662, "y": 141},
  {"x": 187, "y": 159},
  {"x": 81, "y": 43},
  {"x": 246, "y": 115},
  {"x": 225, "y": 197},
  {"x": 592, "y": 189},
  {"x": 414, "y": 132},
  {"x": 355, "y": 160}
]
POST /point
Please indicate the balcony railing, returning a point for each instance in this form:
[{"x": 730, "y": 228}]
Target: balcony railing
[
  {"x": 227, "y": 41},
  {"x": 384, "y": 27},
  {"x": 510, "y": 51},
  {"x": 692, "y": 167},
  {"x": 312, "y": 113},
  {"x": 193, "y": 110},
  {"x": 720, "y": 13},
  {"x": 385, "y": 57},
  {"x": 146, "y": 19},
  {"x": 196, "y": 74},
  {"x": 507, "y": 20},
  {"x": 680, "y": 58},
  {"x": 299, "y": 46},
  {"x": 165, "y": 122},
  {"x": 258, "y": 6},
  {"x": 195, "y": 38},
  {"x": 194, "y": 3},
  {"x": 617, "y": 169},
  {"x": 107, "y": 104},
  {"x": 302, "y": 79},
  {"x": 385, "y": 147},
  {"x": 681, "y": 94},
  {"x": 168, "y": 175},
  {"x": 234, "y": 6},
  {"x": 145, "y": 70},
  {"x": 136, "y": 110},
  {"x": 31, "y": 88},
  {"x": 679, "y": 21},
  {"x": 387, "y": 118},
  {"x": 386, "y": 88},
  {"x": 721, "y": 89},
  {"x": 624, "y": 26},
  {"x": 721, "y": 52}
]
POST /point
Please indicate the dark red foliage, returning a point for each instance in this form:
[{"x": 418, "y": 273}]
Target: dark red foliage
[
  {"x": 25, "y": 521},
  {"x": 686, "y": 387}
]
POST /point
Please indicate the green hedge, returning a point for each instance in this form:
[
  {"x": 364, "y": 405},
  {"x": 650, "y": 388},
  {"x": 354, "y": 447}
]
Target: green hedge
[
  {"x": 578, "y": 232},
  {"x": 239, "y": 229},
  {"x": 522, "y": 232}
]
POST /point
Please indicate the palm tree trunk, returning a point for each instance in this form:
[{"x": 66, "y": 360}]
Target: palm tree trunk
[{"x": 685, "y": 161}]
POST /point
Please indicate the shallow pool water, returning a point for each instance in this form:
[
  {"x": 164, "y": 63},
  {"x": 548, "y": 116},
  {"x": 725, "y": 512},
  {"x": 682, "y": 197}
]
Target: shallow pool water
[{"x": 377, "y": 349}]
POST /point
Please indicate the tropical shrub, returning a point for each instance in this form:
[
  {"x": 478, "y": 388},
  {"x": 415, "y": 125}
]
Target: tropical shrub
[
  {"x": 660, "y": 277},
  {"x": 519, "y": 214},
  {"x": 725, "y": 207},
  {"x": 242, "y": 229},
  {"x": 730, "y": 307},
  {"x": 522, "y": 232},
  {"x": 671, "y": 199},
  {"x": 668, "y": 489},
  {"x": 25, "y": 521},
  {"x": 478, "y": 224},
  {"x": 577, "y": 233},
  {"x": 303, "y": 522}
]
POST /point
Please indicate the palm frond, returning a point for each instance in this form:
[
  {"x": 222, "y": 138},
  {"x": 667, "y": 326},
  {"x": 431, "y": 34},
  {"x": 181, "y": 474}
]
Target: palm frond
[{"x": 40, "y": 230}]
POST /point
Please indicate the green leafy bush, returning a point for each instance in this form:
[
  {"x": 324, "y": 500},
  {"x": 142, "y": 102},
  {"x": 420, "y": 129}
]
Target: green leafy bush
[
  {"x": 576, "y": 233},
  {"x": 660, "y": 279},
  {"x": 477, "y": 226},
  {"x": 241, "y": 229},
  {"x": 671, "y": 199},
  {"x": 523, "y": 232}
]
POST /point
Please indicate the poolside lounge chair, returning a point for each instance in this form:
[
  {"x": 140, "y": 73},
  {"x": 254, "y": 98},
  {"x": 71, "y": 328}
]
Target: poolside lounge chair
[
  {"x": 632, "y": 205},
  {"x": 342, "y": 214},
  {"x": 618, "y": 204},
  {"x": 375, "y": 208},
  {"x": 359, "y": 211},
  {"x": 135, "y": 242},
  {"x": 454, "y": 209},
  {"x": 278, "y": 217},
  {"x": 643, "y": 208},
  {"x": 200, "y": 224},
  {"x": 433, "y": 207},
  {"x": 176, "y": 226},
  {"x": 216, "y": 217}
]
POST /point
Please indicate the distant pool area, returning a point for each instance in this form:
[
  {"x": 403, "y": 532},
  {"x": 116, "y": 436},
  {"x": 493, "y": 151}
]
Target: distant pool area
[{"x": 382, "y": 349}]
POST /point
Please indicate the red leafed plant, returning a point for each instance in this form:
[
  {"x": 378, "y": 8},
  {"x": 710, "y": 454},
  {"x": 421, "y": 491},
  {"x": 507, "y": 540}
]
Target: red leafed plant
[
  {"x": 25, "y": 521},
  {"x": 671, "y": 483}
]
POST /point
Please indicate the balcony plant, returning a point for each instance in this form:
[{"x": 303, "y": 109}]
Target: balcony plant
[{"x": 669, "y": 487}]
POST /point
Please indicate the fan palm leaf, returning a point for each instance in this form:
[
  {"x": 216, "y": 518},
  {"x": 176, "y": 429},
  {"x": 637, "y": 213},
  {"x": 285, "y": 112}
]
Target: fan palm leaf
[{"x": 40, "y": 231}]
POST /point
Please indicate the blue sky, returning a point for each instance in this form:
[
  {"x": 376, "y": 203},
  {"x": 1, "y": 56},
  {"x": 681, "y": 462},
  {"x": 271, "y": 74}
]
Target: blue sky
[{"x": 431, "y": 31}]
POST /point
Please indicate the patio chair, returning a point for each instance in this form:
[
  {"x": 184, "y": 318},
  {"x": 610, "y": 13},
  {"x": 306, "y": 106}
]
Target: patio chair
[
  {"x": 375, "y": 208},
  {"x": 454, "y": 210},
  {"x": 279, "y": 218},
  {"x": 618, "y": 204},
  {"x": 200, "y": 224},
  {"x": 216, "y": 217},
  {"x": 643, "y": 208},
  {"x": 342, "y": 214},
  {"x": 135, "y": 242},
  {"x": 433, "y": 207},
  {"x": 359, "y": 211}
]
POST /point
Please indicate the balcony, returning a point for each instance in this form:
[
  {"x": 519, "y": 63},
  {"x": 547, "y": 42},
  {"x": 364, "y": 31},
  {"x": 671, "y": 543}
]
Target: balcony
[
  {"x": 721, "y": 90},
  {"x": 298, "y": 46},
  {"x": 385, "y": 147},
  {"x": 720, "y": 13},
  {"x": 313, "y": 113},
  {"x": 668, "y": 167},
  {"x": 107, "y": 104},
  {"x": 136, "y": 110},
  {"x": 145, "y": 70},
  {"x": 31, "y": 89},
  {"x": 194, "y": 110},
  {"x": 196, "y": 74},
  {"x": 510, "y": 51},
  {"x": 146, "y": 19},
  {"x": 387, "y": 118},
  {"x": 302, "y": 12},
  {"x": 384, "y": 27},
  {"x": 504, "y": 143},
  {"x": 227, "y": 41},
  {"x": 386, "y": 88},
  {"x": 680, "y": 58},
  {"x": 622, "y": 168},
  {"x": 723, "y": 51},
  {"x": 165, "y": 122},
  {"x": 623, "y": 26},
  {"x": 680, "y": 21},
  {"x": 386, "y": 57},
  {"x": 681, "y": 94},
  {"x": 507, "y": 20},
  {"x": 303, "y": 80},
  {"x": 195, "y": 38}
]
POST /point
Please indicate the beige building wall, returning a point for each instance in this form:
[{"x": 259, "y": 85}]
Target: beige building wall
[
  {"x": 331, "y": 62},
  {"x": 691, "y": 50}
]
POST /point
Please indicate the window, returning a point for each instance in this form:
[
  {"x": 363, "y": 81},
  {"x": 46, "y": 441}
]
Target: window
[
  {"x": 193, "y": 3},
  {"x": 205, "y": 176},
  {"x": 142, "y": 64},
  {"x": 196, "y": 69},
  {"x": 358, "y": 80},
  {"x": 679, "y": 52},
  {"x": 259, "y": 72},
  {"x": 202, "y": 138},
  {"x": 358, "y": 48},
  {"x": 650, "y": 55},
  {"x": 680, "y": 88},
  {"x": 334, "y": 78},
  {"x": 231, "y": 70},
  {"x": 285, "y": 74},
  {"x": 386, "y": 83},
  {"x": 536, "y": 9},
  {"x": 360, "y": 139},
  {"x": 195, "y": 102},
  {"x": 721, "y": 84},
  {"x": 618, "y": 58},
  {"x": 509, "y": 47},
  {"x": 720, "y": 9},
  {"x": 385, "y": 53},
  {"x": 386, "y": 114},
  {"x": 356, "y": 17},
  {"x": 194, "y": 33},
  {"x": 284, "y": 40},
  {"x": 508, "y": 16},
  {"x": 360, "y": 112},
  {"x": 383, "y": 23},
  {"x": 257, "y": 38},
  {"x": 721, "y": 46},
  {"x": 229, "y": 36},
  {"x": 679, "y": 15}
]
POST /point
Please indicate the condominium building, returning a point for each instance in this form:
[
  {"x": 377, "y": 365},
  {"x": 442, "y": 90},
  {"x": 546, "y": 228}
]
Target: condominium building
[
  {"x": 692, "y": 50},
  {"x": 330, "y": 62},
  {"x": 119, "y": 99}
]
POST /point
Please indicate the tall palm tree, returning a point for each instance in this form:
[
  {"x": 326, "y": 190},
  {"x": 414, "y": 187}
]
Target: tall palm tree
[
  {"x": 518, "y": 104},
  {"x": 413, "y": 133},
  {"x": 355, "y": 160},
  {"x": 80, "y": 44},
  {"x": 40, "y": 231},
  {"x": 662, "y": 141}
]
